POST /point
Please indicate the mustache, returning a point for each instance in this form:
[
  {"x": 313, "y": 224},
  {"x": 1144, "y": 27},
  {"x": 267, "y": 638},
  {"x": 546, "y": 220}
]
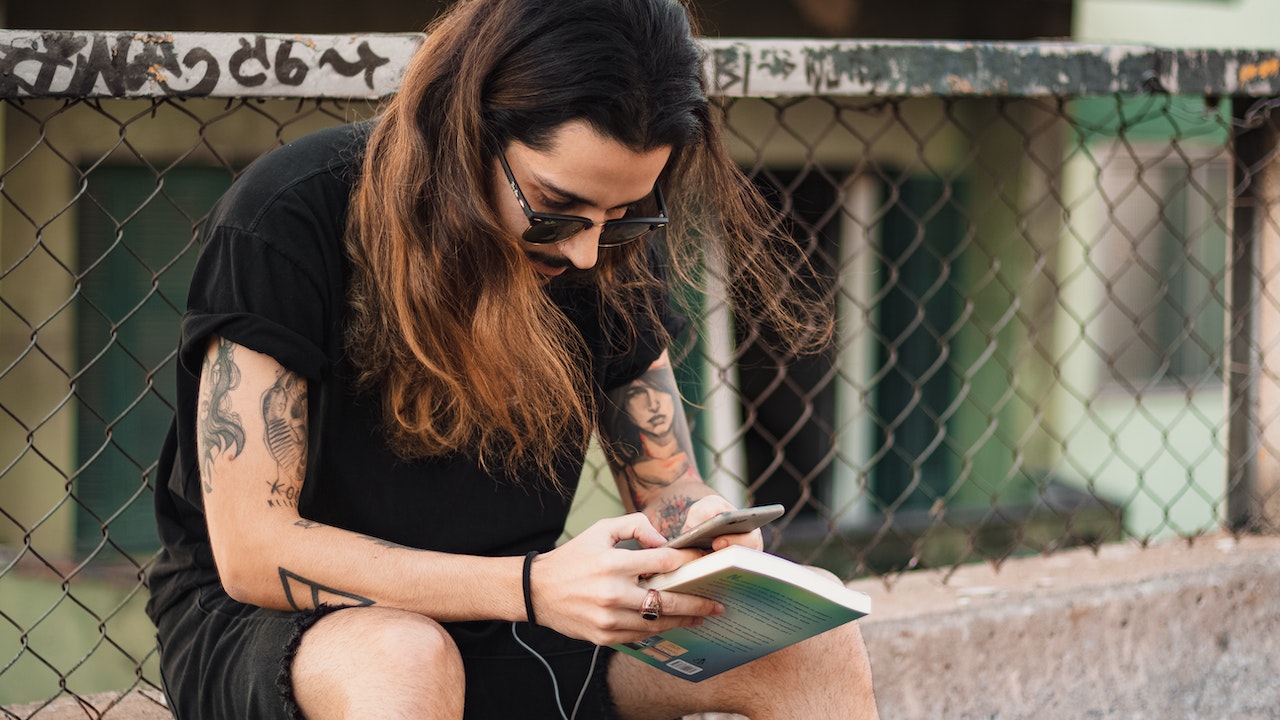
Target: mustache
[{"x": 551, "y": 261}]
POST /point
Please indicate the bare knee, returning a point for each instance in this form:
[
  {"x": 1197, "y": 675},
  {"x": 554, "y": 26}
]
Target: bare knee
[
  {"x": 841, "y": 648},
  {"x": 837, "y": 660},
  {"x": 357, "y": 660},
  {"x": 828, "y": 675}
]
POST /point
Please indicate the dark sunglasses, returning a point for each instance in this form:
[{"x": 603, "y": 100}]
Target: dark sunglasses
[{"x": 549, "y": 228}]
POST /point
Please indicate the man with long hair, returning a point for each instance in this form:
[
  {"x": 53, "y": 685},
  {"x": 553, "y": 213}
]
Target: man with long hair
[{"x": 400, "y": 336}]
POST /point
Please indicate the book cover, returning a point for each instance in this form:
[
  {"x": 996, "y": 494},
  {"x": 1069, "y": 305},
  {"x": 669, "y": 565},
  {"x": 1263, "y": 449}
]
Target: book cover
[{"x": 770, "y": 603}]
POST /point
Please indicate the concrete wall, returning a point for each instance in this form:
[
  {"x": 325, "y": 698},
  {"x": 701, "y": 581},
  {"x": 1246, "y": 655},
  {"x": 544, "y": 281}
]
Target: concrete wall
[
  {"x": 1179, "y": 23},
  {"x": 1169, "y": 632}
]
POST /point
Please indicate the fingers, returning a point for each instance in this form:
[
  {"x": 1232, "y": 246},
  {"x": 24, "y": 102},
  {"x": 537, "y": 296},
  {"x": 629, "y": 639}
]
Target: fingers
[
  {"x": 625, "y": 622},
  {"x": 595, "y": 548},
  {"x": 711, "y": 506},
  {"x": 635, "y": 526},
  {"x": 705, "y": 509},
  {"x": 674, "y": 606},
  {"x": 592, "y": 589},
  {"x": 753, "y": 540},
  {"x": 659, "y": 611},
  {"x": 652, "y": 558}
]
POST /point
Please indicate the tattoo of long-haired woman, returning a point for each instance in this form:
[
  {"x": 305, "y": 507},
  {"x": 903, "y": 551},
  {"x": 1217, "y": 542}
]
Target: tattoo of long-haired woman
[
  {"x": 220, "y": 428},
  {"x": 651, "y": 445}
]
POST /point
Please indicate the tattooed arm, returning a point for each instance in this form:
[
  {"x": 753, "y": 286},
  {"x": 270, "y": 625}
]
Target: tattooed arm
[
  {"x": 252, "y": 440},
  {"x": 252, "y": 435},
  {"x": 651, "y": 454}
]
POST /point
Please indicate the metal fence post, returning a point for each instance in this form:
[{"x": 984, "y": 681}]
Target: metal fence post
[{"x": 1253, "y": 468}]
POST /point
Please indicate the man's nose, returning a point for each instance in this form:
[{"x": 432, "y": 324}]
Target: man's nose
[{"x": 583, "y": 249}]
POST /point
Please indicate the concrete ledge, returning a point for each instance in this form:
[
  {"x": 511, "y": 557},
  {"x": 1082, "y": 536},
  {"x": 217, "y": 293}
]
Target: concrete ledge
[
  {"x": 1174, "y": 631},
  {"x": 137, "y": 704},
  {"x": 1170, "y": 631}
]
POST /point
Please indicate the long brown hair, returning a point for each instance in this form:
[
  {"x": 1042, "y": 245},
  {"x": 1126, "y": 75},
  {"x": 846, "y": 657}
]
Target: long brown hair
[{"x": 448, "y": 321}]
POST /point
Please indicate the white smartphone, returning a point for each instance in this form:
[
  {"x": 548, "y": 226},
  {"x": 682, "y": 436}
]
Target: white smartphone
[{"x": 731, "y": 522}]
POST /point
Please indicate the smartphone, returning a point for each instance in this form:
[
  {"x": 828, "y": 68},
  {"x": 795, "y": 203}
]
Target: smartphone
[{"x": 726, "y": 523}]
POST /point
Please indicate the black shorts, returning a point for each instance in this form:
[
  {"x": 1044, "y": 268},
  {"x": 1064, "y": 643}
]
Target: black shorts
[{"x": 224, "y": 660}]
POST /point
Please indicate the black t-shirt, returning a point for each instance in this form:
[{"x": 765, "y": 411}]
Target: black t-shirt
[{"x": 272, "y": 277}]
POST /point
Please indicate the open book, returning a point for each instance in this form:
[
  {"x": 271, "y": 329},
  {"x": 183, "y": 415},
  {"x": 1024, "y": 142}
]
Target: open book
[{"x": 770, "y": 603}]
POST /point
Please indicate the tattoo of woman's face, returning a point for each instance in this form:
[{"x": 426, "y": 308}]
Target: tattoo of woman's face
[
  {"x": 649, "y": 445},
  {"x": 649, "y": 409}
]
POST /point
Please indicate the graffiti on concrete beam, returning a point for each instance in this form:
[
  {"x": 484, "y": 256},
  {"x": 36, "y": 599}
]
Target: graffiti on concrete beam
[
  {"x": 97, "y": 64},
  {"x": 793, "y": 68}
]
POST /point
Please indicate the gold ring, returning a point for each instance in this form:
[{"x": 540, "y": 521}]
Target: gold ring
[{"x": 651, "y": 608}]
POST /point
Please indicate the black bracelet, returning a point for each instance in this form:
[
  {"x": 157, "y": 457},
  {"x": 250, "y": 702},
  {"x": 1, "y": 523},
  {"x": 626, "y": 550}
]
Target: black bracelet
[{"x": 528, "y": 595}]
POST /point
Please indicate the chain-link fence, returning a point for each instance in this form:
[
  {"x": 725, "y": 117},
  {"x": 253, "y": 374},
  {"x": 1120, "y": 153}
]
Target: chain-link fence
[{"x": 1051, "y": 267}]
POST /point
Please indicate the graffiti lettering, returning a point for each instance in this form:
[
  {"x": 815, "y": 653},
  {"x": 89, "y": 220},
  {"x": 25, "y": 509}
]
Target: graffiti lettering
[
  {"x": 257, "y": 51},
  {"x": 103, "y": 63},
  {"x": 230, "y": 65},
  {"x": 209, "y": 80},
  {"x": 60, "y": 49},
  {"x": 291, "y": 70},
  {"x": 730, "y": 67},
  {"x": 155, "y": 58},
  {"x": 37, "y": 67},
  {"x": 368, "y": 62},
  {"x": 739, "y": 68},
  {"x": 40, "y": 60},
  {"x": 817, "y": 72},
  {"x": 90, "y": 64},
  {"x": 777, "y": 63}
]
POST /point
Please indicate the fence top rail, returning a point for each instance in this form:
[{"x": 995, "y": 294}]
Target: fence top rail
[{"x": 101, "y": 64}]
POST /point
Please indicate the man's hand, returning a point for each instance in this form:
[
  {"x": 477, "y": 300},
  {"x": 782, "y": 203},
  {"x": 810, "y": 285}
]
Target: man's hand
[
  {"x": 712, "y": 505},
  {"x": 589, "y": 589}
]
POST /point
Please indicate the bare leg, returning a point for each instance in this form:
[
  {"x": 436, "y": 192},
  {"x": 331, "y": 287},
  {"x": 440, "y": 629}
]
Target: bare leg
[
  {"x": 378, "y": 662},
  {"x": 827, "y": 676}
]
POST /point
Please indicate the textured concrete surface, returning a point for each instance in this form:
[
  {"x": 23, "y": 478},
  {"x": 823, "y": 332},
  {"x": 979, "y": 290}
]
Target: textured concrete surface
[
  {"x": 135, "y": 705},
  {"x": 1176, "y": 631},
  {"x": 1171, "y": 631}
]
